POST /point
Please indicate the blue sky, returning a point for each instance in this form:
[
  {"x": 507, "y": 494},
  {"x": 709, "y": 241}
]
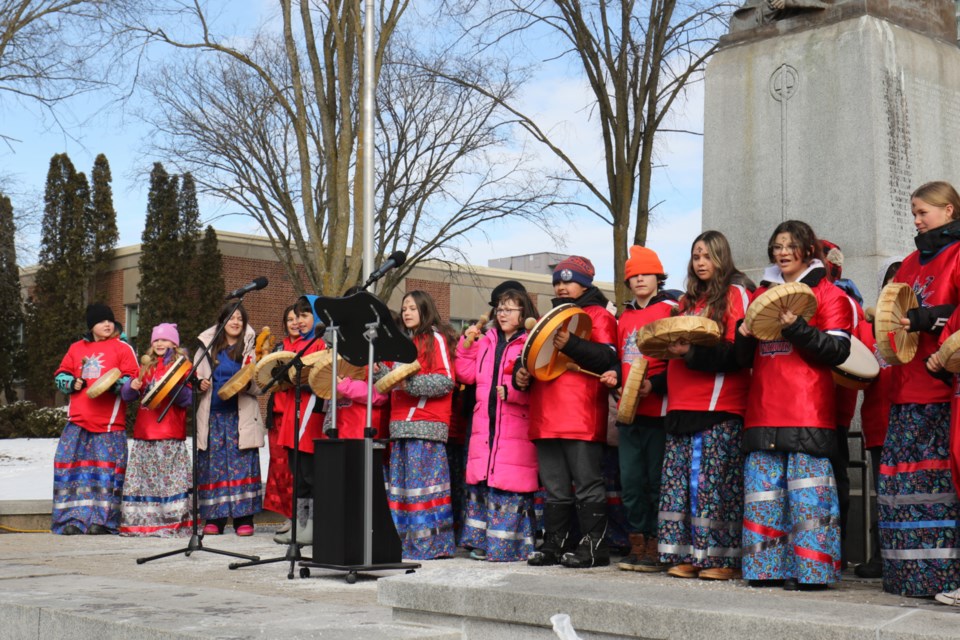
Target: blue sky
[{"x": 557, "y": 96}]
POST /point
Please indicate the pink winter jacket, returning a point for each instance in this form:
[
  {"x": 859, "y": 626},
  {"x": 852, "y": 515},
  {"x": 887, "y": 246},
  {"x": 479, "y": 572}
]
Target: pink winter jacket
[{"x": 509, "y": 463}]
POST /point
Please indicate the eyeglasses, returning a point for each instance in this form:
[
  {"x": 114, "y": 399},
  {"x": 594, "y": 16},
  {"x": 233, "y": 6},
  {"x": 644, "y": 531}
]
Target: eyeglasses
[
  {"x": 779, "y": 248},
  {"x": 502, "y": 311}
]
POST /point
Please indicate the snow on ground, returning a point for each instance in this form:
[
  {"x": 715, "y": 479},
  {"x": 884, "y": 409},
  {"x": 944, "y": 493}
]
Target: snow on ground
[{"x": 26, "y": 468}]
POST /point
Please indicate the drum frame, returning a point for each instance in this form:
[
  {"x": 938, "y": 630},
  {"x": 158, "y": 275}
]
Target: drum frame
[
  {"x": 407, "y": 368},
  {"x": 96, "y": 384},
  {"x": 766, "y": 299},
  {"x": 627, "y": 412},
  {"x": 851, "y": 380},
  {"x": 181, "y": 367},
  {"x": 542, "y": 334},
  {"x": 887, "y": 330}
]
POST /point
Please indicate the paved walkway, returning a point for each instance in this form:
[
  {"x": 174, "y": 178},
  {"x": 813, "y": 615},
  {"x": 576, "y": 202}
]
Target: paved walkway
[{"x": 82, "y": 587}]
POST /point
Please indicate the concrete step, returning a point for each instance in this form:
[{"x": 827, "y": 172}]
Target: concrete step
[
  {"x": 20, "y": 516},
  {"x": 47, "y": 603},
  {"x": 33, "y": 516},
  {"x": 516, "y": 602}
]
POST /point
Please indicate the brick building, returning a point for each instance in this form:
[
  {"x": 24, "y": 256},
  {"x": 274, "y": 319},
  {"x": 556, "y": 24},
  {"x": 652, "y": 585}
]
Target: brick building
[{"x": 460, "y": 291}]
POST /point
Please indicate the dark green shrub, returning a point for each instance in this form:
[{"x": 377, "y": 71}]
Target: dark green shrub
[
  {"x": 46, "y": 422},
  {"x": 24, "y": 420},
  {"x": 13, "y": 418}
]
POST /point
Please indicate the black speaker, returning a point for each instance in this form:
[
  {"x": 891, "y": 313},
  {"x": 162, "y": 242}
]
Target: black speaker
[{"x": 338, "y": 487}]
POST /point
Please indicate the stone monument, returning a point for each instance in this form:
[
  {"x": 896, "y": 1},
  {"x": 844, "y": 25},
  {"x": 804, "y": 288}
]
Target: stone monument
[{"x": 830, "y": 112}]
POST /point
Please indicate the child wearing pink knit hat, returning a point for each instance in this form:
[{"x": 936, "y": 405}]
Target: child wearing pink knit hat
[{"x": 156, "y": 490}]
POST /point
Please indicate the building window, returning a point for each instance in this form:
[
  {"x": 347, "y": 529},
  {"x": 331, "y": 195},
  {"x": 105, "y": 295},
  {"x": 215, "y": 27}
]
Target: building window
[
  {"x": 132, "y": 325},
  {"x": 460, "y": 324}
]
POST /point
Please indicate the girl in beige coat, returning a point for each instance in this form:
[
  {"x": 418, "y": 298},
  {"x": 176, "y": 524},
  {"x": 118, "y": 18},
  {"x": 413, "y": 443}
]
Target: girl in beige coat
[{"x": 229, "y": 432}]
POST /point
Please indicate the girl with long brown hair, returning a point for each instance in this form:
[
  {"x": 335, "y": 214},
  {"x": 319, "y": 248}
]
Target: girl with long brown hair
[
  {"x": 229, "y": 432},
  {"x": 701, "y": 493},
  {"x": 420, "y": 412}
]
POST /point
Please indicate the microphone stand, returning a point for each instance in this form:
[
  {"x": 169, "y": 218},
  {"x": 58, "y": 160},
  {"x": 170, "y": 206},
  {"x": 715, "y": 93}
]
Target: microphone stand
[
  {"x": 196, "y": 538},
  {"x": 292, "y": 554}
]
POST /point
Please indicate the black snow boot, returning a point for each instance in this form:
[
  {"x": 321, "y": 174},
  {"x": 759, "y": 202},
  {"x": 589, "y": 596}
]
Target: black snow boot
[
  {"x": 592, "y": 550},
  {"x": 556, "y": 537}
]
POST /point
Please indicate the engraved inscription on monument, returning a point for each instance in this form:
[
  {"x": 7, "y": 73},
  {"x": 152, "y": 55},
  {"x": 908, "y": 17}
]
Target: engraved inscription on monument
[{"x": 898, "y": 225}]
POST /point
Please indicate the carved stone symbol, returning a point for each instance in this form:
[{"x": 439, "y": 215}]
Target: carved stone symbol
[{"x": 784, "y": 82}]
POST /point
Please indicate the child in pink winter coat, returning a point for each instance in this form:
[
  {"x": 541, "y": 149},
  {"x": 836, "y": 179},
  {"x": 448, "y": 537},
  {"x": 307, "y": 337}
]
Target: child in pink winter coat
[{"x": 501, "y": 459}]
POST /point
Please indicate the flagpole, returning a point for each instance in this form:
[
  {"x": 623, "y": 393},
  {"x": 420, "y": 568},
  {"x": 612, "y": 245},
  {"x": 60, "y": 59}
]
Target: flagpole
[{"x": 368, "y": 139}]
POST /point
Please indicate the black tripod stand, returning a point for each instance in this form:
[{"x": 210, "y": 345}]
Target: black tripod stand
[
  {"x": 280, "y": 374},
  {"x": 196, "y": 538}
]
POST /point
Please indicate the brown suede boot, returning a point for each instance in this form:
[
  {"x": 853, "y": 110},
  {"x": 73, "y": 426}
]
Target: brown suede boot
[
  {"x": 650, "y": 561},
  {"x": 638, "y": 547}
]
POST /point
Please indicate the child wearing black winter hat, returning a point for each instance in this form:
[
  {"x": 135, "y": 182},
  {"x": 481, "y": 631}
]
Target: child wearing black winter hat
[{"x": 92, "y": 453}]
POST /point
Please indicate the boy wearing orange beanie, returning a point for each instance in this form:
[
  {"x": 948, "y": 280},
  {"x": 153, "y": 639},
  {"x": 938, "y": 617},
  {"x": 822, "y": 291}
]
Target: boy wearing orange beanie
[{"x": 642, "y": 441}]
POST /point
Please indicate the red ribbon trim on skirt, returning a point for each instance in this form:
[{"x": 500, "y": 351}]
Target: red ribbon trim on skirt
[
  {"x": 768, "y": 532},
  {"x": 419, "y": 506},
  {"x": 101, "y": 464},
  {"x": 228, "y": 483},
  {"x": 911, "y": 467},
  {"x": 816, "y": 556}
]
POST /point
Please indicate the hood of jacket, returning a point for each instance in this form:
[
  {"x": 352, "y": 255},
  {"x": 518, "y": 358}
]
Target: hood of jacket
[
  {"x": 317, "y": 323},
  {"x": 814, "y": 273},
  {"x": 883, "y": 269}
]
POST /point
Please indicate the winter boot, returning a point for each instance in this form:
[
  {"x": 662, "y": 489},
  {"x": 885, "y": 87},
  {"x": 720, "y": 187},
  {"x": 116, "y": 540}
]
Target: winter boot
[
  {"x": 592, "y": 550},
  {"x": 650, "y": 560},
  {"x": 304, "y": 525},
  {"x": 871, "y": 569},
  {"x": 556, "y": 538},
  {"x": 638, "y": 547}
]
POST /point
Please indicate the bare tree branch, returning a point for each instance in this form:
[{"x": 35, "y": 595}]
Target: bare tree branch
[
  {"x": 637, "y": 56},
  {"x": 272, "y": 128}
]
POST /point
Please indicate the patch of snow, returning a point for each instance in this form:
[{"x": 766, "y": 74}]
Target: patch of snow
[{"x": 26, "y": 467}]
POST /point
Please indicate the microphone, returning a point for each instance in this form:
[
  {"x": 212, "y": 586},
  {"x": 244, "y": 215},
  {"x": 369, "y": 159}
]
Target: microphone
[
  {"x": 396, "y": 259},
  {"x": 258, "y": 283}
]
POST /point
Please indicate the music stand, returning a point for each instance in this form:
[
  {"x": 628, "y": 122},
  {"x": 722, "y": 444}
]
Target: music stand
[
  {"x": 280, "y": 374},
  {"x": 196, "y": 538},
  {"x": 366, "y": 334}
]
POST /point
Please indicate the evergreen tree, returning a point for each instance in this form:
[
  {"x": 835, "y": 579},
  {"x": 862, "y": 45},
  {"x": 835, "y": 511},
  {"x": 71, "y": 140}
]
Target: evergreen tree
[
  {"x": 55, "y": 313},
  {"x": 190, "y": 236},
  {"x": 11, "y": 309},
  {"x": 210, "y": 287},
  {"x": 162, "y": 274},
  {"x": 103, "y": 225},
  {"x": 189, "y": 215}
]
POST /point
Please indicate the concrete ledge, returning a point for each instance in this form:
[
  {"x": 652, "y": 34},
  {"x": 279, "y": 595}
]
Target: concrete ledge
[
  {"x": 604, "y": 605},
  {"x": 47, "y": 604},
  {"x": 25, "y": 507},
  {"x": 33, "y": 516},
  {"x": 25, "y": 515}
]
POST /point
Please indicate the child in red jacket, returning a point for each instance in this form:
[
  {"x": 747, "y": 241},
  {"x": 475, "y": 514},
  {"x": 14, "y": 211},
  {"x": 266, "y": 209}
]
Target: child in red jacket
[
  {"x": 643, "y": 440},
  {"x": 91, "y": 456},
  {"x": 156, "y": 491},
  {"x": 420, "y": 411},
  {"x": 568, "y": 424}
]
